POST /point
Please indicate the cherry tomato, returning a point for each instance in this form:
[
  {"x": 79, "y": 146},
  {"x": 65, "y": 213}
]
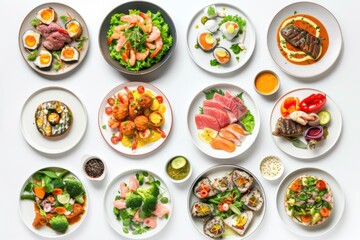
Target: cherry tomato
[
  {"x": 160, "y": 99},
  {"x": 114, "y": 140},
  {"x": 324, "y": 212},
  {"x": 221, "y": 208},
  {"x": 204, "y": 193},
  {"x": 320, "y": 184},
  {"x": 296, "y": 186},
  {"x": 111, "y": 101},
  {"x": 306, "y": 218},
  {"x": 225, "y": 207},
  {"x": 108, "y": 110},
  {"x": 140, "y": 89}
]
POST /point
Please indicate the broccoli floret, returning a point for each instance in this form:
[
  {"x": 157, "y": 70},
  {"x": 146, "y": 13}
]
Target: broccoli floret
[
  {"x": 80, "y": 199},
  {"x": 149, "y": 204},
  {"x": 73, "y": 187},
  {"x": 149, "y": 197},
  {"x": 133, "y": 200},
  {"x": 153, "y": 190},
  {"x": 59, "y": 223}
]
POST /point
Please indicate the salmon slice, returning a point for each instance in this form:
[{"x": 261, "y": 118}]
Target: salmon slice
[
  {"x": 120, "y": 204},
  {"x": 150, "y": 222},
  {"x": 229, "y": 136},
  {"x": 137, "y": 218},
  {"x": 123, "y": 190},
  {"x": 223, "y": 144},
  {"x": 133, "y": 183},
  {"x": 238, "y": 131},
  {"x": 160, "y": 210}
]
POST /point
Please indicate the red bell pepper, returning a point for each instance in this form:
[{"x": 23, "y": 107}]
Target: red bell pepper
[
  {"x": 313, "y": 103},
  {"x": 289, "y": 105}
]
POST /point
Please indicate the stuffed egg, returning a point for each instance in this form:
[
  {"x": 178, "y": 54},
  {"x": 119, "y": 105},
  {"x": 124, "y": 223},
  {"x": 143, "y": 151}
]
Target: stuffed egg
[
  {"x": 210, "y": 11},
  {"x": 222, "y": 55},
  {"x": 44, "y": 59},
  {"x": 230, "y": 30},
  {"x": 69, "y": 54},
  {"x": 74, "y": 28},
  {"x": 46, "y": 15},
  {"x": 207, "y": 41},
  {"x": 31, "y": 39}
]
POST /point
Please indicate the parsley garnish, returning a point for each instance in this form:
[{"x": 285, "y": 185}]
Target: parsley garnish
[
  {"x": 235, "y": 48},
  {"x": 214, "y": 63},
  {"x": 32, "y": 56},
  {"x": 35, "y": 22},
  {"x": 210, "y": 94}
]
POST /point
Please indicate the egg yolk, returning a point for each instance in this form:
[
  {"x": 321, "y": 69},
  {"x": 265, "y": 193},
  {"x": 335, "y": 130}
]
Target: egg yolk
[
  {"x": 46, "y": 14},
  {"x": 30, "y": 40},
  {"x": 68, "y": 53},
  {"x": 44, "y": 58},
  {"x": 73, "y": 27}
]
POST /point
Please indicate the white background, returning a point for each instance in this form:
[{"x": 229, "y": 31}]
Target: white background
[{"x": 180, "y": 80}]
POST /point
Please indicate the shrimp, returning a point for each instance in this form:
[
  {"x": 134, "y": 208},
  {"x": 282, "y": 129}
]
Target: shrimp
[
  {"x": 132, "y": 57},
  {"x": 132, "y": 19},
  {"x": 113, "y": 123},
  {"x": 118, "y": 31},
  {"x": 129, "y": 94},
  {"x": 159, "y": 45},
  {"x": 162, "y": 133},
  {"x": 150, "y": 45},
  {"x": 301, "y": 117},
  {"x": 145, "y": 134},
  {"x": 134, "y": 141},
  {"x": 148, "y": 27},
  {"x": 126, "y": 54},
  {"x": 155, "y": 34},
  {"x": 120, "y": 111},
  {"x": 120, "y": 42},
  {"x": 141, "y": 56}
]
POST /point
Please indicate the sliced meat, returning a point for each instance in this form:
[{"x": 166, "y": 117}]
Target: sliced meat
[
  {"x": 120, "y": 204},
  {"x": 219, "y": 115},
  {"x": 223, "y": 144},
  {"x": 160, "y": 210},
  {"x": 59, "y": 36},
  {"x": 302, "y": 39},
  {"x": 150, "y": 222},
  {"x": 53, "y": 45},
  {"x": 253, "y": 199},
  {"x": 229, "y": 136},
  {"x": 45, "y": 30},
  {"x": 240, "y": 104},
  {"x": 137, "y": 217},
  {"x": 123, "y": 190},
  {"x": 213, "y": 104},
  {"x": 203, "y": 121},
  {"x": 228, "y": 104},
  {"x": 133, "y": 183},
  {"x": 287, "y": 128}
]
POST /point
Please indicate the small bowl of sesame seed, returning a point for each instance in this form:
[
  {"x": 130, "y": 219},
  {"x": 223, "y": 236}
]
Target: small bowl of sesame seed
[{"x": 93, "y": 167}]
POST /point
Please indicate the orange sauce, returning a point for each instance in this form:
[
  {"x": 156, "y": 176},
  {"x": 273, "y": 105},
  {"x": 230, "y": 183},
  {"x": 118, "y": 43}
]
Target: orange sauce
[
  {"x": 324, "y": 37},
  {"x": 266, "y": 82}
]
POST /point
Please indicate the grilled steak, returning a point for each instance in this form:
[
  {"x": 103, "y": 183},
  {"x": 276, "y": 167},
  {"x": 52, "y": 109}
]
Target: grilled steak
[
  {"x": 287, "y": 128},
  {"x": 302, "y": 39}
]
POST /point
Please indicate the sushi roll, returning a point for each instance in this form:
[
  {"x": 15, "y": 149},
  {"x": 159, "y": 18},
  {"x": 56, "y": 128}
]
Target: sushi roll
[
  {"x": 223, "y": 184},
  {"x": 203, "y": 189},
  {"x": 222, "y": 55},
  {"x": 242, "y": 180},
  {"x": 239, "y": 223},
  {"x": 200, "y": 209},
  {"x": 206, "y": 41},
  {"x": 214, "y": 227},
  {"x": 253, "y": 200}
]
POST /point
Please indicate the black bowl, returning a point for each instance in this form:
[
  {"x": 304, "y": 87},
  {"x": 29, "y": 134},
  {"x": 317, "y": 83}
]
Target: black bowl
[{"x": 124, "y": 8}]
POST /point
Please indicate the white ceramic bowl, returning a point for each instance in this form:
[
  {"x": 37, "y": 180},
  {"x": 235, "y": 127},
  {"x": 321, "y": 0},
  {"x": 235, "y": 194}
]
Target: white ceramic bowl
[
  {"x": 272, "y": 165},
  {"x": 275, "y": 89},
  {"x": 174, "y": 180},
  {"x": 87, "y": 158}
]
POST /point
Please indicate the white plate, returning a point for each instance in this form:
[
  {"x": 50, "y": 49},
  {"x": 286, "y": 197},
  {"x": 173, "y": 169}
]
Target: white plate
[
  {"x": 113, "y": 189},
  {"x": 334, "y": 127},
  {"x": 61, "y": 10},
  {"x": 205, "y": 147},
  {"x": 332, "y": 27},
  {"x": 27, "y": 213},
  {"x": 219, "y": 171},
  {"x": 108, "y": 133},
  {"x": 59, "y": 144},
  {"x": 202, "y": 59},
  {"x": 313, "y": 231}
]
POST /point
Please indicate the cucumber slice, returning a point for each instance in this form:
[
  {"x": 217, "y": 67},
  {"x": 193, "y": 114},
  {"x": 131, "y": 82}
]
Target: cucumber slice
[
  {"x": 63, "y": 198},
  {"x": 178, "y": 162},
  {"x": 324, "y": 117}
]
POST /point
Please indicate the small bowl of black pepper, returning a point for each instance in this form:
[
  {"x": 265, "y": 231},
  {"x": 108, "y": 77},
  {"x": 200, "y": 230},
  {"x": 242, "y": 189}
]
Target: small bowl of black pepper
[{"x": 94, "y": 168}]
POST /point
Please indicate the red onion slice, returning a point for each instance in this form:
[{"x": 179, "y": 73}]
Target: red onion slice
[{"x": 314, "y": 133}]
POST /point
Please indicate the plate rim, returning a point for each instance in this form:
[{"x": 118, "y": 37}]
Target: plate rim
[
  {"x": 340, "y": 44},
  {"x": 47, "y": 73},
  {"x": 122, "y": 173},
  {"x": 228, "y": 85},
  {"x": 28, "y": 140},
  {"x": 214, "y": 167},
  {"x": 87, "y": 206},
  {"x": 247, "y": 20},
  {"x": 296, "y": 90},
  {"x": 136, "y": 83},
  {"x": 306, "y": 169}
]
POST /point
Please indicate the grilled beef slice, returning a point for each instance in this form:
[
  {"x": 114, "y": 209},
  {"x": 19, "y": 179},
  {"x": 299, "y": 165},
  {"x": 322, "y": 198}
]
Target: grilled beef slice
[{"x": 287, "y": 128}]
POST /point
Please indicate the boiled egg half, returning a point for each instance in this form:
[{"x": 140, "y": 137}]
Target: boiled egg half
[
  {"x": 31, "y": 39},
  {"x": 44, "y": 59},
  {"x": 74, "y": 28},
  {"x": 229, "y": 30},
  {"x": 46, "y": 15},
  {"x": 69, "y": 54}
]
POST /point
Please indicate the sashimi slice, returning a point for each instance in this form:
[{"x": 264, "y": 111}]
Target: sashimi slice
[
  {"x": 203, "y": 121},
  {"x": 120, "y": 204},
  {"x": 219, "y": 115},
  {"x": 133, "y": 183},
  {"x": 228, "y": 104},
  {"x": 160, "y": 210},
  {"x": 223, "y": 144},
  {"x": 123, "y": 190},
  {"x": 239, "y": 103},
  {"x": 150, "y": 222},
  {"x": 229, "y": 136},
  {"x": 213, "y": 104},
  {"x": 238, "y": 131}
]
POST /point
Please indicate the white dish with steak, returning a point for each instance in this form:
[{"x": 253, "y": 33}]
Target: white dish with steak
[{"x": 226, "y": 201}]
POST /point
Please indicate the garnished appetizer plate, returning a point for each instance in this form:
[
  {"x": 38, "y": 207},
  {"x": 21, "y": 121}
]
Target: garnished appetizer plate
[
  {"x": 304, "y": 39},
  {"x": 53, "y": 39},
  {"x": 53, "y": 202},
  {"x": 142, "y": 213},
  {"x": 323, "y": 205},
  {"x": 53, "y": 120},
  {"x": 220, "y": 38},
  {"x": 135, "y": 118},
  {"x": 305, "y": 123},
  {"x": 223, "y": 121},
  {"x": 226, "y": 201}
]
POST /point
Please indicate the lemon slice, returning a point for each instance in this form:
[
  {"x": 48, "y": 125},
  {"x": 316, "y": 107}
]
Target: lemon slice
[
  {"x": 63, "y": 198},
  {"x": 178, "y": 162},
  {"x": 221, "y": 52},
  {"x": 230, "y": 29},
  {"x": 207, "y": 135},
  {"x": 209, "y": 39}
]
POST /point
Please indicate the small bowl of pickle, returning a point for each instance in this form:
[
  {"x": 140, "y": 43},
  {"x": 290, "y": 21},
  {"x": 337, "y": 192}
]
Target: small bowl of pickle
[{"x": 178, "y": 169}]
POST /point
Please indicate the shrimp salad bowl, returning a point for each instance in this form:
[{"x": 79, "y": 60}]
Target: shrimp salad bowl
[{"x": 137, "y": 38}]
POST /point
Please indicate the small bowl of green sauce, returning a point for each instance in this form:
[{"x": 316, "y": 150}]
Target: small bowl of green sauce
[{"x": 178, "y": 169}]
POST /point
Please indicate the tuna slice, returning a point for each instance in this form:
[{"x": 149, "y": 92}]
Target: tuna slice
[
  {"x": 228, "y": 104},
  {"x": 120, "y": 204},
  {"x": 223, "y": 144},
  {"x": 238, "y": 131},
  {"x": 239, "y": 103},
  {"x": 219, "y": 115},
  {"x": 160, "y": 210},
  {"x": 203, "y": 121},
  {"x": 123, "y": 190},
  {"x": 253, "y": 200},
  {"x": 302, "y": 39},
  {"x": 213, "y": 104},
  {"x": 150, "y": 222},
  {"x": 137, "y": 217},
  {"x": 229, "y": 136},
  {"x": 133, "y": 183},
  {"x": 242, "y": 180}
]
